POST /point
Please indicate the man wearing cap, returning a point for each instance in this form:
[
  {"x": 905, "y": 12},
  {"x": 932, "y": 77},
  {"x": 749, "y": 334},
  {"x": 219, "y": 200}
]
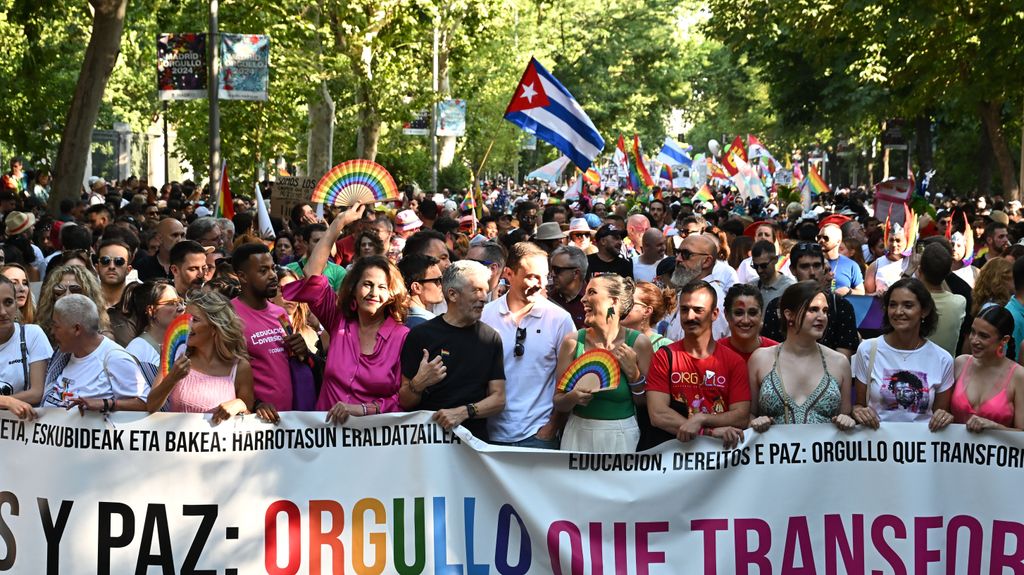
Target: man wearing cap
[
  {"x": 97, "y": 191},
  {"x": 645, "y": 264},
  {"x": 845, "y": 272},
  {"x": 19, "y": 225},
  {"x": 568, "y": 268},
  {"x": 608, "y": 258},
  {"x": 549, "y": 236},
  {"x": 581, "y": 235},
  {"x": 807, "y": 261}
]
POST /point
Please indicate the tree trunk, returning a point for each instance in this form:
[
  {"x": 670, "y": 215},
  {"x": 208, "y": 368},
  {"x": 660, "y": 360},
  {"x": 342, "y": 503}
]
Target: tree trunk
[
  {"x": 320, "y": 145},
  {"x": 984, "y": 165},
  {"x": 446, "y": 155},
  {"x": 100, "y": 57},
  {"x": 923, "y": 142},
  {"x": 991, "y": 119},
  {"x": 369, "y": 122}
]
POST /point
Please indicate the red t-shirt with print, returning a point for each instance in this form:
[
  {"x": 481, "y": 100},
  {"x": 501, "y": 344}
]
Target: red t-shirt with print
[{"x": 708, "y": 385}]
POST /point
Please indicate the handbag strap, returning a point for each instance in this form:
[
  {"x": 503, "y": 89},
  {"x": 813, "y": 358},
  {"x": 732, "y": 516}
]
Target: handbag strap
[
  {"x": 871, "y": 368},
  {"x": 24, "y": 357}
]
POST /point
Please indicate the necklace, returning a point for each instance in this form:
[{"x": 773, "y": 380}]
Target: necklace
[{"x": 905, "y": 354}]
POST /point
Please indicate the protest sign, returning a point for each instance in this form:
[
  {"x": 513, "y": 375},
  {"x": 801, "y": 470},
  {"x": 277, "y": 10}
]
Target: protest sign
[
  {"x": 451, "y": 118},
  {"x": 288, "y": 192},
  {"x": 890, "y": 198},
  {"x": 245, "y": 66},
  {"x": 398, "y": 494},
  {"x": 181, "y": 66}
]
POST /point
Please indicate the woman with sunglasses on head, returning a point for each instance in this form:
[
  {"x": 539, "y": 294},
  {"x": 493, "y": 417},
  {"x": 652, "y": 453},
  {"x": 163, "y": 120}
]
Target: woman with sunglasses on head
[
  {"x": 214, "y": 375},
  {"x": 70, "y": 279},
  {"x": 650, "y": 305},
  {"x": 800, "y": 381},
  {"x": 989, "y": 391},
  {"x": 22, "y": 291},
  {"x": 604, "y": 421},
  {"x": 744, "y": 310},
  {"x": 24, "y": 354},
  {"x": 152, "y": 305},
  {"x": 901, "y": 376},
  {"x": 365, "y": 322}
]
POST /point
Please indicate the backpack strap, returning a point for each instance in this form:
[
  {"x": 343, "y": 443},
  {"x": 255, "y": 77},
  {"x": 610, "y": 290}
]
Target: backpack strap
[{"x": 871, "y": 368}]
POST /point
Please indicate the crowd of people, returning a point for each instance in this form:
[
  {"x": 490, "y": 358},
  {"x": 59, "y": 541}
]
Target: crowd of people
[{"x": 722, "y": 315}]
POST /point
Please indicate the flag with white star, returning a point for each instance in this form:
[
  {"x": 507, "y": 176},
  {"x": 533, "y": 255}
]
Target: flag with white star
[{"x": 543, "y": 107}]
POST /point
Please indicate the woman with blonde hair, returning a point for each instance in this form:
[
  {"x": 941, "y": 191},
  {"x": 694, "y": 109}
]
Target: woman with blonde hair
[
  {"x": 993, "y": 286},
  {"x": 64, "y": 280},
  {"x": 650, "y": 305},
  {"x": 19, "y": 277},
  {"x": 213, "y": 375}
]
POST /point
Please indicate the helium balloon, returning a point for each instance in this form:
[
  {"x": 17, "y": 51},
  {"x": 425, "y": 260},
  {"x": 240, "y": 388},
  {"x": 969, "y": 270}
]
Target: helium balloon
[{"x": 714, "y": 147}]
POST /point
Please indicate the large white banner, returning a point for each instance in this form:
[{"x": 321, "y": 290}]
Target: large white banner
[{"x": 396, "y": 494}]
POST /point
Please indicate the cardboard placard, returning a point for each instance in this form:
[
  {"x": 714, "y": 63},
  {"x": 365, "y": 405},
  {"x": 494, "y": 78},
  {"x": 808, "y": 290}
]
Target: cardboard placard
[{"x": 289, "y": 191}]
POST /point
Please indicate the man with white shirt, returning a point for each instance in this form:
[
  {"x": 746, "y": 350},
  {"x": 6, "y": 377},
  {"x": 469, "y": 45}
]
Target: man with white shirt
[
  {"x": 531, "y": 328},
  {"x": 645, "y": 264}
]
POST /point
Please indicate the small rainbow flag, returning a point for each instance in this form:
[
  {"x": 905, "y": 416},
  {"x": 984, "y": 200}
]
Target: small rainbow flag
[
  {"x": 666, "y": 173},
  {"x": 704, "y": 194},
  {"x": 592, "y": 177},
  {"x": 468, "y": 203},
  {"x": 225, "y": 207},
  {"x": 638, "y": 169},
  {"x": 815, "y": 183}
]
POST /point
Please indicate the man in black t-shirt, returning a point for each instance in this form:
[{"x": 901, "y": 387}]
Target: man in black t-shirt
[
  {"x": 608, "y": 258},
  {"x": 453, "y": 363}
]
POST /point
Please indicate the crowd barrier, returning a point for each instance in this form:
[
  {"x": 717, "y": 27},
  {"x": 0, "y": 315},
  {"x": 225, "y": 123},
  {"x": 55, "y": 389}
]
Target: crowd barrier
[{"x": 169, "y": 493}]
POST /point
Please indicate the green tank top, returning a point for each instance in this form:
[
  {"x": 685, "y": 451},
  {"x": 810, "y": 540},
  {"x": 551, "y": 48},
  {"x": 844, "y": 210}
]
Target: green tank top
[{"x": 612, "y": 404}]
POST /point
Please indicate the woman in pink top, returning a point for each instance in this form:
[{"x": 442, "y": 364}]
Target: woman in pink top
[
  {"x": 989, "y": 390},
  {"x": 364, "y": 320},
  {"x": 214, "y": 375}
]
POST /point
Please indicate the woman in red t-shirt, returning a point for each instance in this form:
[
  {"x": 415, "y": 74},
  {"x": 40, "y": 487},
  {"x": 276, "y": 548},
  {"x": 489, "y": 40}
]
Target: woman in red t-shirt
[{"x": 744, "y": 310}]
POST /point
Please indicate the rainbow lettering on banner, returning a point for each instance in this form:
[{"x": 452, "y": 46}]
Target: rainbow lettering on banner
[
  {"x": 355, "y": 182},
  {"x": 175, "y": 342},
  {"x": 597, "y": 362}
]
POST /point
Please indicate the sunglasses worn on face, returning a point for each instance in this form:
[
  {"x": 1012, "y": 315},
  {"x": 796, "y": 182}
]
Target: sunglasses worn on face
[
  {"x": 520, "y": 349},
  {"x": 175, "y": 302},
  {"x": 764, "y": 265},
  {"x": 685, "y": 255},
  {"x": 436, "y": 280},
  {"x": 808, "y": 247},
  {"x": 61, "y": 289},
  {"x": 107, "y": 260},
  {"x": 560, "y": 269}
]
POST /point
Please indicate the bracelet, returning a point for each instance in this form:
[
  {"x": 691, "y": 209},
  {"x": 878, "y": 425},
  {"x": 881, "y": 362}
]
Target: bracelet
[
  {"x": 637, "y": 383},
  {"x": 106, "y": 406},
  {"x": 363, "y": 405},
  {"x": 113, "y": 405},
  {"x": 641, "y": 392},
  {"x": 376, "y": 406}
]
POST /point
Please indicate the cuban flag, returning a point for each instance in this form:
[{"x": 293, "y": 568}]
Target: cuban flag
[
  {"x": 543, "y": 107},
  {"x": 673, "y": 154}
]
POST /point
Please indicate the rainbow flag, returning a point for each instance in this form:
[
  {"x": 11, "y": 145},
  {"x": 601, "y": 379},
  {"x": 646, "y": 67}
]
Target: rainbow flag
[
  {"x": 815, "y": 183},
  {"x": 666, "y": 173},
  {"x": 704, "y": 194},
  {"x": 592, "y": 177},
  {"x": 468, "y": 203},
  {"x": 638, "y": 169},
  {"x": 225, "y": 207}
]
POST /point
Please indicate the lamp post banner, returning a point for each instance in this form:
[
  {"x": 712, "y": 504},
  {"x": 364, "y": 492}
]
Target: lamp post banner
[{"x": 169, "y": 493}]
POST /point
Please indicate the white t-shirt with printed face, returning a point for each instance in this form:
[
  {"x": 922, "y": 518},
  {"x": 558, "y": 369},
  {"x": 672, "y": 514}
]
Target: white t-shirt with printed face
[
  {"x": 12, "y": 372},
  {"x": 903, "y": 384},
  {"x": 122, "y": 378}
]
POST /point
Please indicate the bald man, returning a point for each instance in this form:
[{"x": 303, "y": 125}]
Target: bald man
[
  {"x": 645, "y": 264},
  {"x": 169, "y": 231},
  {"x": 846, "y": 273},
  {"x": 695, "y": 260},
  {"x": 636, "y": 225}
]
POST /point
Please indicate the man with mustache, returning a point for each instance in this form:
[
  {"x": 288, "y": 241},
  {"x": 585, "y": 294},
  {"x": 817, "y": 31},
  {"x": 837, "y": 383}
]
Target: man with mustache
[
  {"x": 453, "y": 362},
  {"x": 695, "y": 260},
  {"x": 531, "y": 328},
  {"x": 695, "y": 385},
  {"x": 269, "y": 346}
]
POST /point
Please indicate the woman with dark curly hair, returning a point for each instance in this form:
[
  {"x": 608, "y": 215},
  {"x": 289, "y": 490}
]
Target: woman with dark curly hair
[
  {"x": 901, "y": 376},
  {"x": 365, "y": 322}
]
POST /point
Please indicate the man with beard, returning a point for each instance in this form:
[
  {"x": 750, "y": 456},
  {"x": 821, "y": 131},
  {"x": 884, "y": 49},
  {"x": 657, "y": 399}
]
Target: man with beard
[
  {"x": 807, "y": 262},
  {"x": 188, "y": 266},
  {"x": 997, "y": 241},
  {"x": 531, "y": 329},
  {"x": 608, "y": 258},
  {"x": 113, "y": 265},
  {"x": 267, "y": 342},
  {"x": 695, "y": 384},
  {"x": 467, "y": 382},
  {"x": 695, "y": 260}
]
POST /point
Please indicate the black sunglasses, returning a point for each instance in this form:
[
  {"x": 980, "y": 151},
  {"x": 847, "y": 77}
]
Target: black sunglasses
[
  {"x": 520, "y": 349},
  {"x": 812, "y": 247},
  {"x": 685, "y": 255},
  {"x": 107, "y": 260},
  {"x": 560, "y": 269},
  {"x": 764, "y": 265},
  {"x": 436, "y": 280}
]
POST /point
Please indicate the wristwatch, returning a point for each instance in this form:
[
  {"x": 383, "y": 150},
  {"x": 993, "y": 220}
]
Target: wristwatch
[{"x": 471, "y": 408}]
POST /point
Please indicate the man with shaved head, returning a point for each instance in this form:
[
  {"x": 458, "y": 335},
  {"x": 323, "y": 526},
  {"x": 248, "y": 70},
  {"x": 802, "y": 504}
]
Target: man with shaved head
[
  {"x": 636, "y": 225},
  {"x": 169, "y": 232},
  {"x": 645, "y": 264},
  {"x": 695, "y": 260},
  {"x": 846, "y": 273}
]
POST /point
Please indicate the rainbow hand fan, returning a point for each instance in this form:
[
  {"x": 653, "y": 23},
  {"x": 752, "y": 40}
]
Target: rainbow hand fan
[
  {"x": 599, "y": 363},
  {"x": 355, "y": 182},
  {"x": 175, "y": 342}
]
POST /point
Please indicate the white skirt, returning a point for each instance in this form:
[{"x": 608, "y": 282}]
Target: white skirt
[{"x": 600, "y": 435}]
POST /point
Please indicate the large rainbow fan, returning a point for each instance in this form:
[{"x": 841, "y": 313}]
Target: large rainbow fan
[
  {"x": 599, "y": 363},
  {"x": 355, "y": 182},
  {"x": 175, "y": 342}
]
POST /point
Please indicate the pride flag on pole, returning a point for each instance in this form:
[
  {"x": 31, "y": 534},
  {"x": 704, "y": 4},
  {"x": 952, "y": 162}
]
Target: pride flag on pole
[
  {"x": 816, "y": 184},
  {"x": 638, "y": 168},
  {"x": 225, "y": 207}
]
